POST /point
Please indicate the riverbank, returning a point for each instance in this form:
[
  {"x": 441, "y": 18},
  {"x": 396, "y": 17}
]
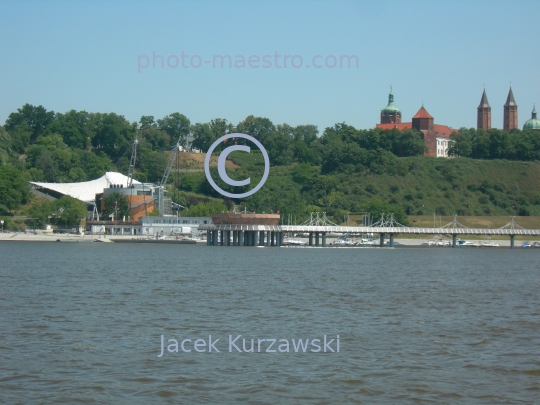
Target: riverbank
[{"x": 51, "y": 237}]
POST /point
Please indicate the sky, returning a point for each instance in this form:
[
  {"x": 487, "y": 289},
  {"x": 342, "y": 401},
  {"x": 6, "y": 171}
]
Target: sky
[{"x": 139, "y": 58}]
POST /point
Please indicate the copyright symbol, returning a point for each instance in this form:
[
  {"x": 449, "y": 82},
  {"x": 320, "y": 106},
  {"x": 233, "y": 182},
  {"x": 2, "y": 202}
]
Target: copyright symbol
[{"x": 221, "y": 166}]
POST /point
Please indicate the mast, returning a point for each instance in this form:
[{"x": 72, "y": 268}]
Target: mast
[{"x": 132, "y": 160}]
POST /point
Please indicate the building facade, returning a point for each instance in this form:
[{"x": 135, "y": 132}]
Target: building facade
[{"x": 433, "y": 134}]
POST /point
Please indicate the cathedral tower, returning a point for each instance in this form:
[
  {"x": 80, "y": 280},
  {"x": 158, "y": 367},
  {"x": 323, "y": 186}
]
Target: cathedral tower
[
  {"x": 484, "y": 113},
  {"x": 510, "y": 112}
]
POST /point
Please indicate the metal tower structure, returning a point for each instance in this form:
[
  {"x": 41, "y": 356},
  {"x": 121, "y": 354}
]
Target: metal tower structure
[{"x": 132, "y": 160}]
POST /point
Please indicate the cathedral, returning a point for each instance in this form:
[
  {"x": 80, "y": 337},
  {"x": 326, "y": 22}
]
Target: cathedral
[
  {"x": 510, "y": 120},
  {"x": 436, "y": 136}
]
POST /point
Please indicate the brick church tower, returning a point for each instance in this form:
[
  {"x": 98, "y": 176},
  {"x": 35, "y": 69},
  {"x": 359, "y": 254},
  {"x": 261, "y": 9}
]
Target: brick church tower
[
  {"x": 510, "y": 112},
  {"x": 484, "y": 113}
]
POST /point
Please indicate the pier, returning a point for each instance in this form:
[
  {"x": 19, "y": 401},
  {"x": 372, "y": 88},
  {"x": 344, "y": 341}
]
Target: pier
[{"x": 230, "y": 234}]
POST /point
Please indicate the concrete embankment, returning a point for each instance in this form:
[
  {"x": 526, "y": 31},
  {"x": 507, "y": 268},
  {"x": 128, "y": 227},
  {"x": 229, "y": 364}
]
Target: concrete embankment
[{"x": 49, "y": 237}]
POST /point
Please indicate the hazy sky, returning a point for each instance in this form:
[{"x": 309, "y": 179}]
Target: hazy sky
[{"x": 91, "y": 56}]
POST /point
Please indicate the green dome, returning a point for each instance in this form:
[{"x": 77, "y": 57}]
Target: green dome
[
  {"x": 533, "y": 123},
  {"x": 391, "y": 109}
]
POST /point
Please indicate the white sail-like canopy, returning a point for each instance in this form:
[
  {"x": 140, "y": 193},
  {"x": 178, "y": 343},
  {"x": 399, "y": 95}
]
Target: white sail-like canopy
[{"x": 86, "y": 191}]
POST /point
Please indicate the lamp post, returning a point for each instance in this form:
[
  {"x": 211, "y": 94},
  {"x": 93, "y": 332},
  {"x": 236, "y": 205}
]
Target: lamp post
[{"x": 2, "y": 223}]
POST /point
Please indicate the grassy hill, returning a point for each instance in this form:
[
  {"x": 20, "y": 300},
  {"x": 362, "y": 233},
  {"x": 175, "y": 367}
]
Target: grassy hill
[{"x": 423, "y": 186}]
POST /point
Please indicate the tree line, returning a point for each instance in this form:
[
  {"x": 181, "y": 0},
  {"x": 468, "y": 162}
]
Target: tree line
[
  {"x": 496, "y": 144},
  {"x": 309, "y": 170}
]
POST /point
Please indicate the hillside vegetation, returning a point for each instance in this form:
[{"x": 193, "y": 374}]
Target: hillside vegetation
[{"x": 344, "y": 171}]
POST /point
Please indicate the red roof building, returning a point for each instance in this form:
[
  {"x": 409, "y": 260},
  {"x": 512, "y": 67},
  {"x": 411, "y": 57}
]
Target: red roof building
[{"x": 436, "y": 136}]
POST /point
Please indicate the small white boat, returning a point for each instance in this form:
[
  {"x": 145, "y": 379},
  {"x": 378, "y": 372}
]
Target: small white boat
[
  {"x": 293, "y": 242},
  {"x": 366, "y": 242},
  {"x": 488, "y": 244},
  {"x": 343, "y": 242}
]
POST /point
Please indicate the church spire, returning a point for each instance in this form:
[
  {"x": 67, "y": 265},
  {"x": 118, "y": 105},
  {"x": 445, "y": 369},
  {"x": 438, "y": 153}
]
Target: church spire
[
  {"x": 510, "y": 99},
  {"x": 484, "y": 101},
  {"x": 510, "y": 112},
  {"x": 484, "y": 113}
]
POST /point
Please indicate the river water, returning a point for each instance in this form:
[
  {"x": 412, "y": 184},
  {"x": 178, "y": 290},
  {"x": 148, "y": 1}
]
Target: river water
[{"x": 82, "y": 323}]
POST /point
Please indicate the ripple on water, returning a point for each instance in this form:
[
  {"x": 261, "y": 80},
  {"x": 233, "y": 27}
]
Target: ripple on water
[{"x": 416, "y": 325}]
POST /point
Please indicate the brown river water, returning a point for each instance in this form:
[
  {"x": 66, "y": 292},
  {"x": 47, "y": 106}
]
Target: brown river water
[{"x": 82, "y": 323}]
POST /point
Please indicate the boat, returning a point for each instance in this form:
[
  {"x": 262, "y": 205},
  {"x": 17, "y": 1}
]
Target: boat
[
  {"x": 293, "y": 242},
  {"x": 366, "y": 242},
  {"x": 342, "y": 242},
  {"x": 465, "y": 243},
  {"x": 488, "y": 244}
]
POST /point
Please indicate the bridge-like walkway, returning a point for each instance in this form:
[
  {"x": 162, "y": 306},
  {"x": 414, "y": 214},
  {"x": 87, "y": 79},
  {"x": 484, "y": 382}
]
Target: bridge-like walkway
[{"x": 260, "y": 235}]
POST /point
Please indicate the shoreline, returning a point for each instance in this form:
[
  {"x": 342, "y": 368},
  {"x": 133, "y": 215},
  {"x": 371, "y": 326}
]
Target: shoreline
[{"x": 50, "y": 237}]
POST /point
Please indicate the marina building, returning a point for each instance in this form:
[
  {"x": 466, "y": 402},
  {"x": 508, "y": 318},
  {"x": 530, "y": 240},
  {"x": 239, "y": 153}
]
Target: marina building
[{"x": 151, "y": 226}]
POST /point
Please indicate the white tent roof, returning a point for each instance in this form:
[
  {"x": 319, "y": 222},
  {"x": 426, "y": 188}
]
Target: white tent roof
[{"x": 86, "y": 191}]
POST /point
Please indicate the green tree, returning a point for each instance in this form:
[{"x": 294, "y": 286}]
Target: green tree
[
  {"x": 152, "y": 164},
  {"x": 71, "y": 210},
  {"x": 75, "y": 128},
  {"x": 36, "y": 118},
  {"x": 203, "y": 136},
  {"x": 14, "y": 188},
  {"x": 258, "y": 127},
  {"x": 480, "y": 145},
  {"x": 113, "y": 134},
  {"x": 20, "y": 137},
  {"x": 302, "y": 172},
  {"x": 117, "y": 205},
  {"x": 220, "y": 127},
  {"x": 204, "y": 209},
  {"x": 377, "y": 207},
  {"x": 43, "y": 210},
  {"x": 279, "y": 147},
  {"x": 46, "y": 163},
  {"x": 177, "y": 126},
  {"x": 155, "y": 138},
  {"x": 5, "y": 146},
  {"x": 462, "y": 145},
  {"x": 306, "y": 133},
  {"x": 409, "y": 142},
  {"x": 147, "y": 121}
]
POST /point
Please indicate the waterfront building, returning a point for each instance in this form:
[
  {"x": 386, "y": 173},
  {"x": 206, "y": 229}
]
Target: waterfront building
[
  {"x": 172, "y": 225},
  {"x": 150, "y": 226}
]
